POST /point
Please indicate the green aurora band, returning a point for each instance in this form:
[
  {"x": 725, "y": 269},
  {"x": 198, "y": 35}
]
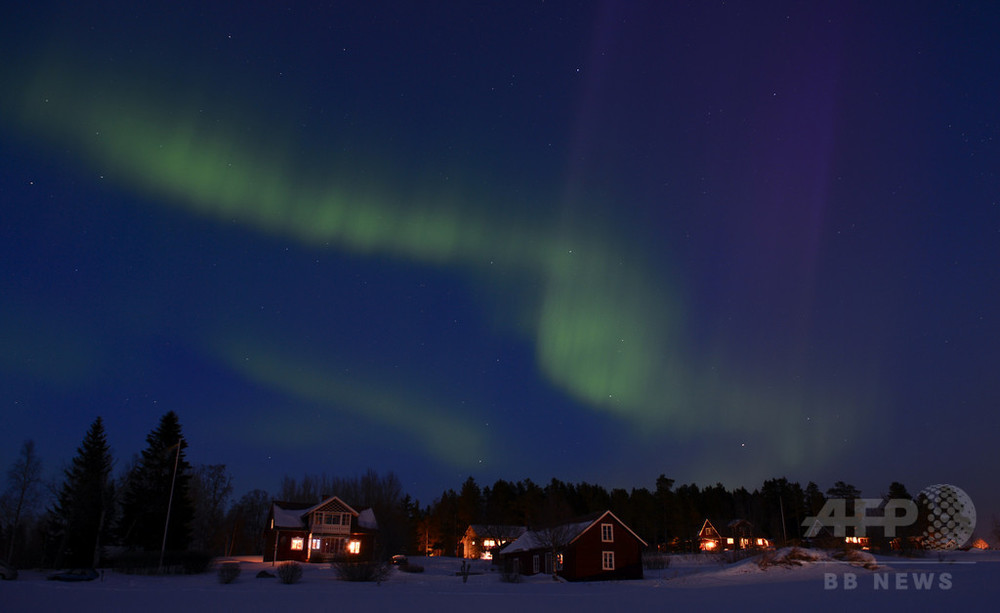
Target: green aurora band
[{"x": 604, "y": 330}]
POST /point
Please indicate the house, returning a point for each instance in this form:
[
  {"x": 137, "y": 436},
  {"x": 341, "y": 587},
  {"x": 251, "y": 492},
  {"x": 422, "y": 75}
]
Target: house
[
  {"x": 737, "y": 534},
  {"x": 324, "y": 532},
  {"x": 482, "y": 540},
  {"x": 594, "y": 548},
  {"x": 819, "y": 535}
]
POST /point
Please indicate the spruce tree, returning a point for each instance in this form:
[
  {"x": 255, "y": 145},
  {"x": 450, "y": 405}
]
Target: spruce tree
[
  {"x": 81, "y": 514},
  {"x": 148, "y": 492}
]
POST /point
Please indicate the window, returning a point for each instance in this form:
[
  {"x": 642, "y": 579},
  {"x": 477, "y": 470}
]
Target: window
[
  {"x": 315, "y": 543},
  {"x": 607, "y": 533},
  {"x": 559, "y": 561},
  {"x": 534, "y": 563},
  {"x": 607, "y": 560},
  {"x": 345, "y": 519},
  {"x": 297, "y": 543},
  {"x": 330, "y": 519},
  {"x": 354, "y": 547}
]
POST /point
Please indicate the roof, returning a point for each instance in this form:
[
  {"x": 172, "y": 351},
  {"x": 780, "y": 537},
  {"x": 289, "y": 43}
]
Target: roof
[
  {"x": 333, "y": 504},
  {"x": 287, "y": 514},
  {"x": 730, "y": 528},
  {"x": 293, "y": 514},
  {"x": 569, "y": 532},
  {"x": 366, "y": 519}
]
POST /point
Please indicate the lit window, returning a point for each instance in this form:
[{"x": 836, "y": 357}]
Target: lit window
[
  {"x": 729, "y": 541},
  {"x": 559, "y": 561},
  {"x": 607, "y": 533},
  {"x": 354, "y": 547},
  {"x": 297, "y": 543},
  {"x": 488, "y": 543},
  {"x": 315, "y": 544},
  {"x": 607, "y": 560}
]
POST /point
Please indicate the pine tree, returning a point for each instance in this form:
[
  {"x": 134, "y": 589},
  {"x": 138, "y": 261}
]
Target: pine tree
[
  {"x": 148, "y": 492},
  {"x": 81, "y": 514}
]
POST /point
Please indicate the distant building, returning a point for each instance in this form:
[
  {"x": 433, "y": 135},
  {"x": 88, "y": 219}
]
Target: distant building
[
  {"x": 324, "y": 532},
  {"x": 737, "y": 534},
  {"x": 594, "y": 548},
  {"x": 481, "y": 541}
]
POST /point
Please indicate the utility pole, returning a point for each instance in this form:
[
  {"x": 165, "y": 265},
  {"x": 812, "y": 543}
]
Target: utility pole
[
  {"x": 170, "y": 501},
  {"x": 784, "y": 534}
]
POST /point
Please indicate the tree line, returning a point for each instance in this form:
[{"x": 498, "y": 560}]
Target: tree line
[
  {"x": 667, "y": 516},
  {"x": 93, "y": 513}
]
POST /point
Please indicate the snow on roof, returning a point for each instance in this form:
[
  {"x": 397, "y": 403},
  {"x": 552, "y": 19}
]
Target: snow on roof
[
  {"x": 286, "y": 518},
  {"x": 293, "y": 515},
  {"x": 538, "y": 539},
  {"x": 526, "y": 542},
  {"x": 564, "y": 533},
  {"x": 366, "y": 519}
]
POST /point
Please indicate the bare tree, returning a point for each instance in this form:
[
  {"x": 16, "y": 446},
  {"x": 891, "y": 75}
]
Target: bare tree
[
  {"x": 211, "y": 487},
  {"x": 248, "y": 518},
  {"x": 554, "y": 540},
  {"x": 23, "y": 489}
]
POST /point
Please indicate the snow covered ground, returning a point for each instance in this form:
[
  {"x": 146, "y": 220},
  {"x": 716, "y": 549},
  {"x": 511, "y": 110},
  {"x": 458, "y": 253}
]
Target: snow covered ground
[{"x": 957, "y": 581}]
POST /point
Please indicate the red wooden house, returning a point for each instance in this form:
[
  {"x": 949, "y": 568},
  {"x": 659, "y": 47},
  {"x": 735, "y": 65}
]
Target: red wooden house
[
  {"x": 737, "y": 534},
  {"x": 597, "y": 547},
  {"x": 325, "y": 532}
]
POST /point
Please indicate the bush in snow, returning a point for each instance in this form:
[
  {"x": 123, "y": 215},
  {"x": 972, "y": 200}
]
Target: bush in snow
[
  {"x": 289, "y": 572},
  {"x": 362, "y": 571},
  {"x": 228, "y": 571}
]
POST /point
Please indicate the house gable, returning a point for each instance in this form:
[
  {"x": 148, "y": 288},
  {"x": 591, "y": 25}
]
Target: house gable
[
  {"x": 605, "y": 549},
  {"x": 605, "y": 518}
]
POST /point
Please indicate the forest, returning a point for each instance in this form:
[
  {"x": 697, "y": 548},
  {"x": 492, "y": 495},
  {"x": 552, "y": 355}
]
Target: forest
[{"x": 160, "y": 503}]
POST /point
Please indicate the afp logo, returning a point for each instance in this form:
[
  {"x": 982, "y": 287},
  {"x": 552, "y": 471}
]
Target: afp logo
[{"x": 946, "y": 513}]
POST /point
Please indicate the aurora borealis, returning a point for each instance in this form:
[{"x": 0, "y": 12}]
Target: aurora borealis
[{"x": 598, "y": 242}]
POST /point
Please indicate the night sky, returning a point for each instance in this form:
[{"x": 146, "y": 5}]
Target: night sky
[{"x": 597, "y": 241}]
